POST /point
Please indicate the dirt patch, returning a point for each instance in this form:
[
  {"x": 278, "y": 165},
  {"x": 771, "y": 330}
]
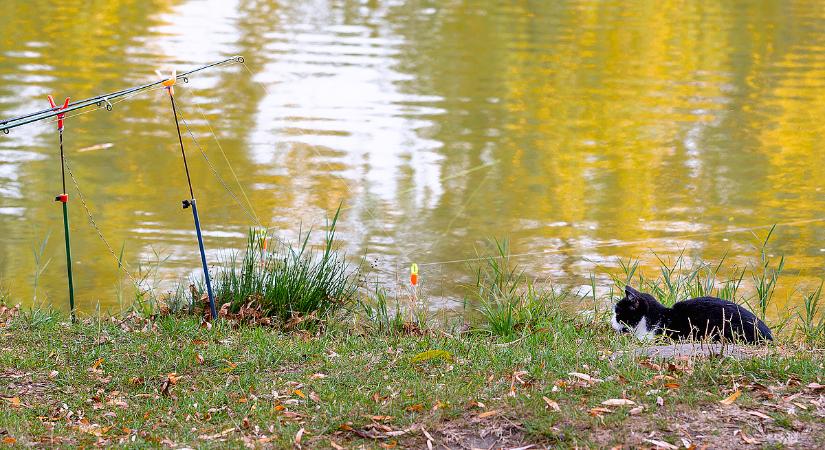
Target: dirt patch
[
  {"x": 471, "y": 432},
  {"x": 16, "y": 383},
  {"x": 729, "y": 426},
  {"x": 688, "y": 350}
]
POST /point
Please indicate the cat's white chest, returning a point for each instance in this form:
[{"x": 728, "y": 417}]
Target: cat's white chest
[{"x": 643, "y": 331}]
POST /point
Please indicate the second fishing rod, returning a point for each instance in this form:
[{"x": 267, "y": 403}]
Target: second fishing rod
[{"x": 169, "y": 84}]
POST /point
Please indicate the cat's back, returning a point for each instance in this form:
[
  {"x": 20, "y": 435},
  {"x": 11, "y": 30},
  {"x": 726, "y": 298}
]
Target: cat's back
[
  {"x": 710, "y": 305},
  {"x": 713, "y": 315}
]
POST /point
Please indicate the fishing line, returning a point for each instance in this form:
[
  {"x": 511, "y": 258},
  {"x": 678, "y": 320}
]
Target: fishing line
[
  {"x": 628, "y": 243},
  {"x": 121, "y": 264},
  {"x": 458, "y": 213},
  {"x": 329, "y": 166},
  {"x": 228, "y": 164},
  {"x": 250, "y": 213}
]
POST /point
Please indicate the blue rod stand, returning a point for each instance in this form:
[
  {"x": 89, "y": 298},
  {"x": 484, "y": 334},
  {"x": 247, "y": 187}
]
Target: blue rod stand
[{"x": 193, "y": 204}]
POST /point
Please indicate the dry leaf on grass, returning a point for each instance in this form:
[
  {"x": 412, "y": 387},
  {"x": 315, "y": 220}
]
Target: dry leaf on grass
[
  {"x": 760, "y": 415},
  {"x": 731, "y": 398},
  {"x": 650, "y": 365},
  {"x": 551, "y": 404},
  {"x": 618, "y": 402},
  {"x": 487, "y": 414},
  {"x": 585, "y": 377},
  {"x": 598, "y": 411},
  {"x": 317, "y": 376},
  {"x": 199, "y": 358},
  {"x": 745, "y": 438},
  {"x": 379, "y": 418},
  {"x": 166, "y": 385},
  {"x": 661, "y": 444},
  {"x": 298, "y": 436},
  {"x": 13, "y": 401}
]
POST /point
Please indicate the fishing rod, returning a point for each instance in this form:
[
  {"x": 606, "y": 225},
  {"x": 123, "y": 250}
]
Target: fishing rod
[
  {"x": 101, "y": 100},
  {"x": 169, "y": 85}
]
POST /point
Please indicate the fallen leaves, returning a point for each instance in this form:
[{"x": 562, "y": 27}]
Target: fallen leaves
[
  {"x": 599, "y": 411},
  {"x": 95, "y": 367},
  {"x": 14, "y": 402},
  {"x": 661, "y": 444},
  {"x": 551, "y": 404},
  {"x": 618, "y": 402},
  {"x": 216, "y": 436},
  {"x": 7, "y": 314},
  {"x": 375, "y": 430},
  {"x": 745, "y": 438},
  {"x": 760, "y": 415},
  {"x": 585, "y": 377},
  {"x": 487, "y": 414},
  {"x": 731, "y": 398},
  {"x": 170, "y": 380}
]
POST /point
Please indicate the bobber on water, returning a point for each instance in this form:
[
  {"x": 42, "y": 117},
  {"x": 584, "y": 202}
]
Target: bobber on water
[
  {"x": 414, "y": 280},
  {"x": 260, "y": 241},
  {"x": 414, "y": 275}
]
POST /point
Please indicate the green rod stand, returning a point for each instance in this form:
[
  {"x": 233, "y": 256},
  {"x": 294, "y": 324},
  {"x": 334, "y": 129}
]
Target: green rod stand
[{"x": 65, "y": 200}]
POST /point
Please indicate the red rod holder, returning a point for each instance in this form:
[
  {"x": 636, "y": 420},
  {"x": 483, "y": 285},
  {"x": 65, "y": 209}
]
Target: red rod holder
[
  {"x": 61, "y": 115},
  {"x": 62, "y": 198}
]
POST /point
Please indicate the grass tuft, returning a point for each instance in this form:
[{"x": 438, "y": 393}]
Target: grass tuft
[{"x": 292, "y": 285}]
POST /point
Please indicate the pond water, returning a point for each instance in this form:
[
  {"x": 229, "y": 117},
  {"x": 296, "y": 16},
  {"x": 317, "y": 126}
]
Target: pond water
[{"x": 583, "y": 131}]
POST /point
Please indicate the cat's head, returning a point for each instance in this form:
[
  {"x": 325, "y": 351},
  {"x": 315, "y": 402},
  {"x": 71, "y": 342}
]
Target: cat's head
[{"x": 630, "y": 310}]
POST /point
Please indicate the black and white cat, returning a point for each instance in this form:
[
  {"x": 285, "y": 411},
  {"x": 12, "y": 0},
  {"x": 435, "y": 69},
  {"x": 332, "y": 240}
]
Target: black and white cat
[{"x": 697, "y": 318}]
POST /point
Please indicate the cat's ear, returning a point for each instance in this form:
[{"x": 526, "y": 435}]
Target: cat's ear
[{"x": 633, "y": 295}]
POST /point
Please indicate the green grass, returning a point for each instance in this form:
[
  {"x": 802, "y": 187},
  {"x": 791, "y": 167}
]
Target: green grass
[
  {"x": 108, "y": 383},
  {"x": 508, "y": 303},
  {"x": 525, "y": 364}
]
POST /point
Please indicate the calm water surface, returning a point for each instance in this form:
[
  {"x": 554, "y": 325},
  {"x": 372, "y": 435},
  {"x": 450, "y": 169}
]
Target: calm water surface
[{"x": 587, "y": 130}]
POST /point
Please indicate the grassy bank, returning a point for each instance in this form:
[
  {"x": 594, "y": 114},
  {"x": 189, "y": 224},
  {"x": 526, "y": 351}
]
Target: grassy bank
[
  {"x": 301, "y": 358},
  {"x": 172, "y": 382}
]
